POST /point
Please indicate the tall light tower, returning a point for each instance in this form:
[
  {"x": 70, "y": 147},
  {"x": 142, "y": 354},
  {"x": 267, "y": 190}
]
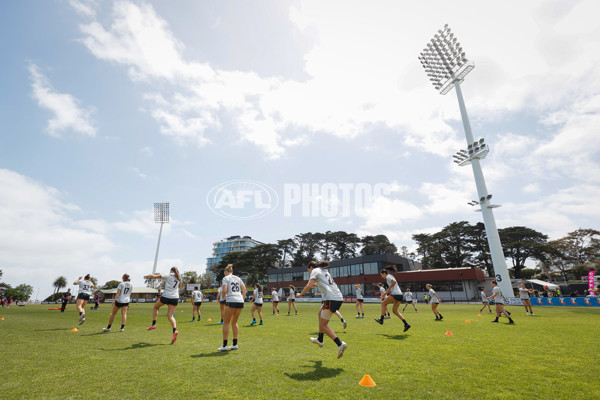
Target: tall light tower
[
  {"x": 446, "y": 65},
  {"x": 161, "y": 214}
]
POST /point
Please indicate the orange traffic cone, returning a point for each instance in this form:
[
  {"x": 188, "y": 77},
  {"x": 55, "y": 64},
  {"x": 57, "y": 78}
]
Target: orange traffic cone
[
  {"x": 2, "y": 319},
  {"x": 74, "y": 330},
  {"x": 448, "y": 333},
  {"x": 479, "y": 315},
  {"x": 468, "y": 322},
  {"x": 367, "y": 381},
  {"x": 210, "y": 319}
]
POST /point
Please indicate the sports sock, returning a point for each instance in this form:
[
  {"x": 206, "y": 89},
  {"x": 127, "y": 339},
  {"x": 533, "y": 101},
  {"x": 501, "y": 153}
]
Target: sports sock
[
  {"x": 337, "y": 341},
  {"x": 123, "y": 326},
  {"x": 108, "y": 327},
  {"x": 343, "y": 320},
  {"x": 235, "y": 342},
  {"x": 320, "y": 337},
  {"x": 174, "y": 330},
  {"x": 80, "y": 314},
  {"x": 193, "y": 319},
  {"x": 405, "y": 323},
  {"x": 154, "y": 322},
  {"x": 381, "y": 318},
  {"x": 224, "y": 343}
]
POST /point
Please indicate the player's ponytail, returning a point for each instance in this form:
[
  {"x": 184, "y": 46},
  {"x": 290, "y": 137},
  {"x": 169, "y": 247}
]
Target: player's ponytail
[
  {"x": 312, "y": 264},
  {"x": 126, "y": 278},
  {"x": 229, "y": 268},
  {"x": 176, "y": 272},
  {"x": 323, "y": 264},
  {"x": 260, "y": 288},
  {"x": 87, "y": 277}
]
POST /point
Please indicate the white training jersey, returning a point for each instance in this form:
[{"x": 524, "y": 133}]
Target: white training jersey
[
  {"x": 395, "y": 290},
  {"x": 125, "y": 288},
  {"x": 432, "y": 296},
  {"x": 85, "y": 287},
  {"x": 408, "y": 296},
  {"x": 171, "y": 286},
  {"x": 220, "y": 293},
  {"x": 234, "y": 289},
  {"x": 484, "y": 297},
  {"x": 275, "y": 295},
  {"x": 197, "y": 296},
  {"x": 524, "y": 293},
  {"x": 359, "y": 294},
  {"x": 382, "y": 291},
  {"x": 499, "y": 298},
  {"x": 329, "y": 290},
  {"x": 258, "y": 298},
  {"x": 292, "y": 295}
]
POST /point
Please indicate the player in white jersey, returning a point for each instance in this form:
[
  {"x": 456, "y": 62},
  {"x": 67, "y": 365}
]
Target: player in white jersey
[
  {"x": 257, "y": 299},
  {"x": 497, "y": 295},
  {"x": 122, "y": 298},
  {"x": 197, "y": 298},
  {"x": 524, "y": 296},
  {"x": 85, "y": 292},
  {"x": 221, "y": 301},
  {"x": 275, "y": 300},
  {"x": 170, "y": 297},
  {"x": 235, "y": 294},
  {"x": 485, "y": 301},
  {"x": 359, "y": 301},
  {"x": 394, "y": 296},
  {"x": 332, "y": 301},
  {"x": 382, "y": 290},
  {"x": 292, "y": 300},
  {"x": 409, "y": 299},
  {"x": 435, "y": 301}
]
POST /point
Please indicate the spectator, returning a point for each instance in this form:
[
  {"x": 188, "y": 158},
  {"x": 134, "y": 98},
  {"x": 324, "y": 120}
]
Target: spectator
[{"x": 65, "y": 300}]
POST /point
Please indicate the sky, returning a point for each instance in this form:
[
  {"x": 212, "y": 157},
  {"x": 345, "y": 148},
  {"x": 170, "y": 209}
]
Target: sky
[{"x": 274, "y": 118}]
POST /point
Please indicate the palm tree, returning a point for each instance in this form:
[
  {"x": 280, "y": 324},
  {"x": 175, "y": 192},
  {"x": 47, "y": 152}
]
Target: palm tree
[{"x": 60, "y": 283}]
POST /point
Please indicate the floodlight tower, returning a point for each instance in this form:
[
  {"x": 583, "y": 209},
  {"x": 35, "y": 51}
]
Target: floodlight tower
[
  {"x": 446, "y": 65},
  {"x": 161, "y": 214}
]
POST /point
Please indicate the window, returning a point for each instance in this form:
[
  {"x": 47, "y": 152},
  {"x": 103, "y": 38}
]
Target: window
[
  {"x": 356, "y": 269},
  {"x": 306, "y": 276},
  {"x": 371, "y": 268}
]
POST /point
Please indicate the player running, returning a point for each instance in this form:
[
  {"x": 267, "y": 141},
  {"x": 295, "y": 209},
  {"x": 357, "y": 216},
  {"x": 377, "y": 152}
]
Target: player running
[
  {"x": 497, "y": 295},
  {"x": 359, "y": 302},
  {"x": 485, "y": 301},
  {"x": 235, "y": 293},
  {"x": 408, "y": 298},
  {"x": 122, "y": 298},
  {"x": 435, "y": 301},
  {"x": 382, "y": 290},
  {"x": 170, "y": 297},
  {"x": 524, "y": 296},
  {"x": 197, "y": 298},
  {"x": 275, "y": 301},
  {"x": 257, "y": 298},
  {"x": 332, "y": 301},
  {"x": 83, "y": 296},
  {"x": 395, "y": 296},
  {"x": 292, "y": 300}
]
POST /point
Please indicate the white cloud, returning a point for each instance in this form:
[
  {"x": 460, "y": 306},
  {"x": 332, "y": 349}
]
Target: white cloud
[
  {"x": 139, "y": 173},
  {"x": 84, "y": 7},
  {"x": 68, "y": 114},
  {"x": 147, "y": 151}
]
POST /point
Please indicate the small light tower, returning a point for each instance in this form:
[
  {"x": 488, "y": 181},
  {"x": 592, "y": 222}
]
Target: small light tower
[
  {"x": 446, "y": 65},
  {"x": 161, "y": 214}
]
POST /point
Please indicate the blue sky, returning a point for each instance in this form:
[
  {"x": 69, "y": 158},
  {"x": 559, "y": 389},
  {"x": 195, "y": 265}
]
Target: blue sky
[{"x": 108, "y": 107}]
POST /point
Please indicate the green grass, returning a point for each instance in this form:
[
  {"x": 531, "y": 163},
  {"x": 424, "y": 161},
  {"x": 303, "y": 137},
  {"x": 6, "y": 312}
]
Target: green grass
[{"x": 553, "y": 355}]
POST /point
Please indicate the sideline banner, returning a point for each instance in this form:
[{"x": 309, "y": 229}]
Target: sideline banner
[{"x": 566, "y": 301}]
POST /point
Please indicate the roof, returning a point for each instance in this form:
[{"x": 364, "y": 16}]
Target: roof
[{"x": 135, "y": 290}]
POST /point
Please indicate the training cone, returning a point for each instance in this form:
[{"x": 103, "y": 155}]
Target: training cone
[
  {"x": 74, "y": 330},
  {"x": 479, "y": 315},
  {"x": 367, "y": 381},
  {"x": 448, "y": 333},
  {"x": 468, "y": 322},
  {"x": 210, "y": 319},
  {"x": 2, "y": 319}
]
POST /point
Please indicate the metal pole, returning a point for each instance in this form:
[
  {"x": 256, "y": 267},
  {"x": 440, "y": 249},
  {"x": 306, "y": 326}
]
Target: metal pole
[
  {"x": 157, "y": 247},
  {"x": 498, "y": 260}
]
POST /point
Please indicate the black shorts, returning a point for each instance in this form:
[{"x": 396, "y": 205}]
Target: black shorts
[
  {"x": 258, "y": 304},
  {"x": 119, "y": 305},
  {"x": 198, "y": 303},
  {"x": 168, "y": 301},
  {"x": 291, "y": 299},
  {"x": 331, "y": 305},
  {"x": 223, "y": 302},
  {"x": 397, "y": 297},
  {"x": 235, "y": 305},
  {"x": 275, "y": 302},
  {"x": 360, "y": 300},
  {"x": 81, "y": 296}
]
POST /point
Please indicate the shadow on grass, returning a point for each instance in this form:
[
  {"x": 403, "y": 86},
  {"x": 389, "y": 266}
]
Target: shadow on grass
[
  {"x": 94, "y": 334},
  {"x": 395, "y": 337},
  {"x": 137, "y": 346},
  {"x": 213, "y": 354},
  {"x": 53, "y": 329},
  {"x": 319, "y": 373}
]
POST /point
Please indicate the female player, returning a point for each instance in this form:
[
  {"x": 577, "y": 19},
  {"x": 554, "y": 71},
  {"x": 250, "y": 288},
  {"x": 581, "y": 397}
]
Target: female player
[
  {"x": 83, "y": 296},
  {"x": 235, "y": 293},
  {"x": 408, "y": 298},
  {"x": 121, "y": 301},
  {"x": 485, "y": 301},
  {"x": 197, "y": 298},
  {"x": 221, "y": 301},
  {"x": 497, "y": 295},
  {"x": 332, "y": 301},
  {"x": 359, "y": 302},
  {"x": 257, "y": 298},
  {"x": 395, "y": 296},
  {"x": 292, "y": 300},
  {"x": 435, "y": 301},
  {"x": 382, "y": 291},
  {"x": 524, "y": 295},
  {"x": 170, "y": 297},
  {"x": 275, "y": 301}
]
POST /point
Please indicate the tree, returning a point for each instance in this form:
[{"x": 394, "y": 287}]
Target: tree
[
  {"x": 206, "y": 280},
  {"x": 480, "y": 248},
  {"x": 455, "y": 244},
  {"x": 307, "y": 246},
  {"x": 345, "y": 244},
  {"x": 59, "y": 283},
  {"x": 21, "y": 293},
  {"x": 111, "y": 284},
  {"x": 521, "y": 243},
  {"x": 429, "y": 250},
  {"x": 580, "y": 248},
  {"x": 285, "y": 248},
  {"x": 378, "y": 244}
]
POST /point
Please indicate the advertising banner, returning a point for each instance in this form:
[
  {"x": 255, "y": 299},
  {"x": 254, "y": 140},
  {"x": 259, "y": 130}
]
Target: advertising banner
[{"x": 566, "y": 301}]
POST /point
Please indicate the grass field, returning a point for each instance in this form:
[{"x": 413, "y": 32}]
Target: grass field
[{"x": 551, "y": 356}]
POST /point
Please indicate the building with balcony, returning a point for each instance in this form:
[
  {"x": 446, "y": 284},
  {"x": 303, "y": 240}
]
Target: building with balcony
[{"x": 231, "y": 244}]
